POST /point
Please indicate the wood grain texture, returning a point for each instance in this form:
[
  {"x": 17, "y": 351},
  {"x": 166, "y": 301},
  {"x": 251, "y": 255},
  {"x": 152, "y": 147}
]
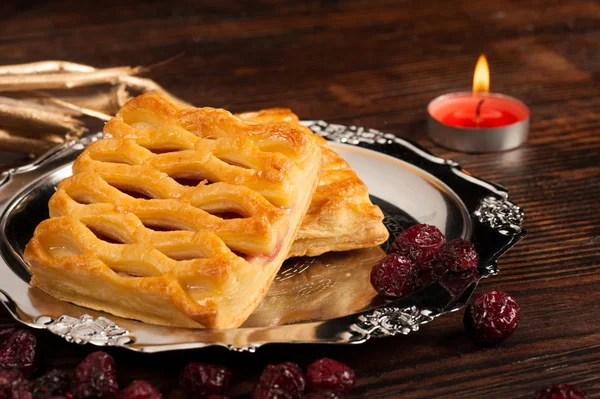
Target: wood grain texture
[{"x": 377, "y": 64}]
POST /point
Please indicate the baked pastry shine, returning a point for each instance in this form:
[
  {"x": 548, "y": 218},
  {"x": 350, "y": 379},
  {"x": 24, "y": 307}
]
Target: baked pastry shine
[
  {"x": 180, "y": 216},
  {"x": 341, "y": 215}
]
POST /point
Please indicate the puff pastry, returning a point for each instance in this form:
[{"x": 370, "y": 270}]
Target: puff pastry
[
  {"x": 180, "y": 216},
  {"x": 341, "y": 215}
]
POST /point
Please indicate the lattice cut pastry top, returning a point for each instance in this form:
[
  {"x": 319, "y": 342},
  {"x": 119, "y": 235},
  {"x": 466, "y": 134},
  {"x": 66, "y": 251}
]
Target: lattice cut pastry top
[
  {"x": 341, "y": 215},
  {"x": 179, "y": 216}
]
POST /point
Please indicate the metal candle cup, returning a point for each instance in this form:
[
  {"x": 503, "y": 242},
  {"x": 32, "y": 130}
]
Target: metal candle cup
[{"x": 471, "y": 122}]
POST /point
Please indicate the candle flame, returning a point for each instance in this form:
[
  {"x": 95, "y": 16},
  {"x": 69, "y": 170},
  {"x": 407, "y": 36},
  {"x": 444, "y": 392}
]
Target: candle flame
[{"x": 481, "y": 77}]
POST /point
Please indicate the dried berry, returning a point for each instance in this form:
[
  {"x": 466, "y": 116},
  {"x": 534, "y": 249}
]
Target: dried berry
[
  {"x": 5, "y": 334},
  {"x": 54, "y": 383},
  {"x": 216, "y": 397},
  {"x": 323, "y": 395},
  {"x": 457, "y": 255},
  {"x": 394, "y": 275},
  {"x": 281, "y": 381},
  {"x": 492, "y": 317},
  {"x": 13, "y": 385},
  {"x": 139, "y": 390},
  {"x": 330, "y": 375},
  {"x": 457, "y": 282},
  {"x": 430, "y": 271},
  {"x": 419, "y": 243},
  {"x": 201, "y": 379},
  {"x": 96, "y": 377},
  {"x": 19, "y": 351},
  {"x": 561, "y": 391}
]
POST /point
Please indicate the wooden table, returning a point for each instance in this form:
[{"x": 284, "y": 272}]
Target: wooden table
[{"x": 377, "y": 64}]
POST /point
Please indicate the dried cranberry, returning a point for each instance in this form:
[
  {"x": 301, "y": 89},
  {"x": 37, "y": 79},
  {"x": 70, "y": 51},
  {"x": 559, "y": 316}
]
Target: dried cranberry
[
  {"x": 419, "y": 243},
  {"x": 457, "y": 255},
  {"x": 323, "y": 395},
  {"x": 457, "y": 282},
  {"x": 561, "y": 391},
  {"x": 330, "y": 375},
  {"x": 139, "y": 390},
  {"x": 430, "y": 271},
  {"x": 5, "y": 334},
  {"x": 96, "y": 377},
  {"x": 19, "y": 351},
  {"x": 492, "y": 317},
  {"x": 53, "y": 383},
  {"x": 13, "y": 385},
  {"x": 394, "y": 275},
  {"x": 281, "y": 381},
  {"x": 216, "y": 397},
  {"x": 201, "y": 379}
]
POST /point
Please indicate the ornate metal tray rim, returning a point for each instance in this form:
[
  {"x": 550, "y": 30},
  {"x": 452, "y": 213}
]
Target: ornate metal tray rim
[{"x": 491, "y": 214}]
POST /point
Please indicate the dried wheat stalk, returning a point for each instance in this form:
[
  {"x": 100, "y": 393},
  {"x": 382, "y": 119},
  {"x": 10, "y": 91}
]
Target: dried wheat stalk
[
  {"x": 44, "y": 67},
  {"x": 28, "y": 115},
  {"x": 107, "y": 99},
  {"x": 66, "y": 80},
  {"x": 13, "y": 142},
  {"x": 45, "y": 109}
]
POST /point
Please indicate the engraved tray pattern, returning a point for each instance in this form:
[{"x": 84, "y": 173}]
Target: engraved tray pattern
[{"x": 470, "y": 207}]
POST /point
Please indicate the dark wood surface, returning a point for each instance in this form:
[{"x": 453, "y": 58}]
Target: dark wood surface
[{"x": 377, "y": 64}]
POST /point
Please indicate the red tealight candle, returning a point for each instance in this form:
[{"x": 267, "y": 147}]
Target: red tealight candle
[
  {"x": 478, "y": 121},
  {"x": 477, "y": 111}
]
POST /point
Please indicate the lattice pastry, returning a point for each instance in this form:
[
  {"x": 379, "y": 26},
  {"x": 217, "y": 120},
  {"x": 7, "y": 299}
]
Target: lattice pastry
[
  {"x": 179, "y": 216},
  {"x": 341, "y": 215}
]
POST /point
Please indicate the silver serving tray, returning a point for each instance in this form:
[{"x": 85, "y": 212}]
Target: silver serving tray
[{"x": 313, "y": 300}]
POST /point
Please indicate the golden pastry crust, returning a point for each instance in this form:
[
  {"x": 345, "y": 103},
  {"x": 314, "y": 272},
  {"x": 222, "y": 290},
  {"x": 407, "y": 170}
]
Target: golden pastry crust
[
  {"x": 341, "y": 216},
  {"x": 131, "y": 235}
]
